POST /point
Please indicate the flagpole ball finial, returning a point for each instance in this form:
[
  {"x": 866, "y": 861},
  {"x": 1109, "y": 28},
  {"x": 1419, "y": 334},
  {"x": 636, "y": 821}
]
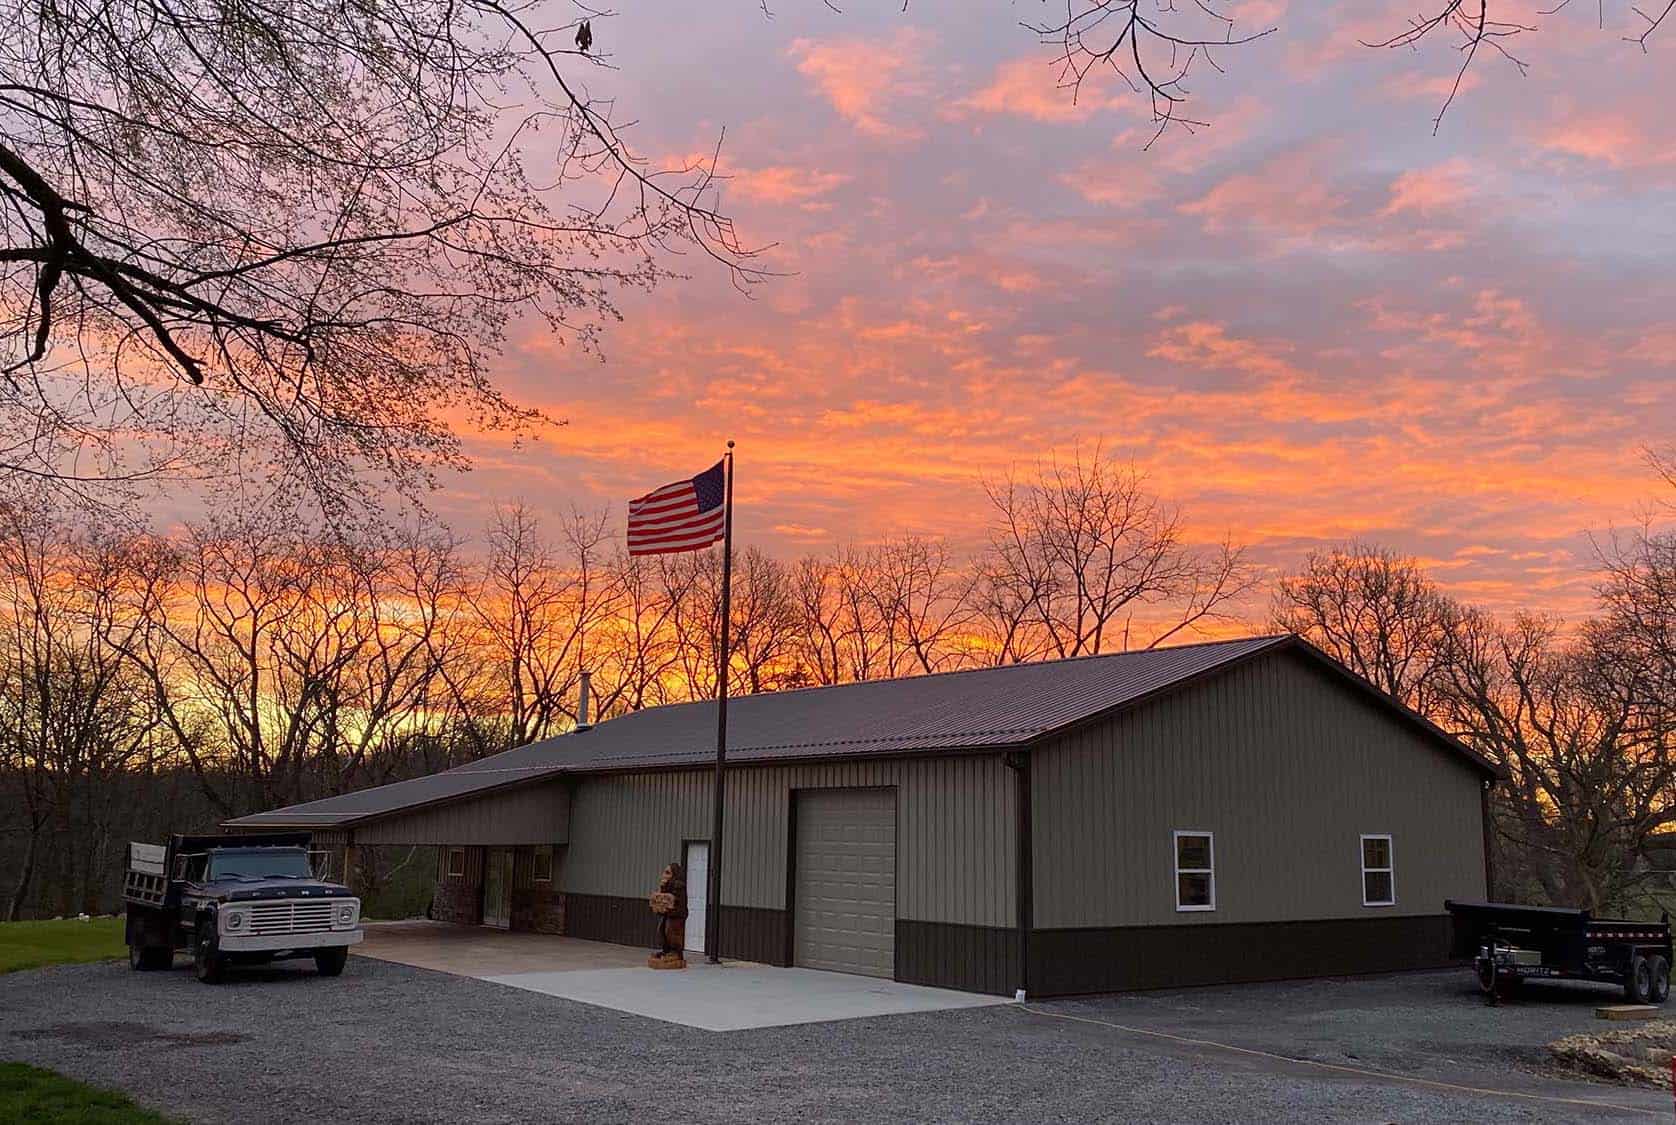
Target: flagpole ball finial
[{"x": 730, "y": 443}]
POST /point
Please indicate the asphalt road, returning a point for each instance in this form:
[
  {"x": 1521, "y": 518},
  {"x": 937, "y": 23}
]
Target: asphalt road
[{"x": 389, "y": 1043}]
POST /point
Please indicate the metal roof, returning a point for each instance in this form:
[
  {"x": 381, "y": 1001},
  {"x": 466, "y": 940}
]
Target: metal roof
[{"x": 986, "y": 708}]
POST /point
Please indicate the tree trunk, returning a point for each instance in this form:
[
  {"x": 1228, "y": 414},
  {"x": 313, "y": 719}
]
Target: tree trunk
[{"x": 26, "y": 872}]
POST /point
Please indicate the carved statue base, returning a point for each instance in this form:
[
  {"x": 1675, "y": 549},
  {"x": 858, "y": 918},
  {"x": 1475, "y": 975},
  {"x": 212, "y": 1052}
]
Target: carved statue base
[{"x": 669, "y": 903}]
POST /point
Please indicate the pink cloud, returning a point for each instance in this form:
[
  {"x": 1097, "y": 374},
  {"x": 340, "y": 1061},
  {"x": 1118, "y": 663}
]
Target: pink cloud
[
  {"x": 1426, "y": 191},
  {"x": 862, "y": 78},
  {"x": 783, "y": 183},
  {"x": 1288, "y": 194},
  {"x": 1031, "y": 87}
]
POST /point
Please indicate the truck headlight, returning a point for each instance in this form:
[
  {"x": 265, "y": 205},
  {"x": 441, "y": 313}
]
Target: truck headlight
[
  {"x": 346, "y": 913},
  {"x": 232, "y": 921}
]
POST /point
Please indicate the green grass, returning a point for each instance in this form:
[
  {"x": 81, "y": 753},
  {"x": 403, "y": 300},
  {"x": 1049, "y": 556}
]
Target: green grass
[
  {"x": 30, "y": 945},
  {"x": 40, "y": 1097}
]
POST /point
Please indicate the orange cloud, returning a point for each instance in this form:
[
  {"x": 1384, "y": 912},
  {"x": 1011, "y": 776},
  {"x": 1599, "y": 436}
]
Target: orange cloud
[{"x": 861, "y": 78}]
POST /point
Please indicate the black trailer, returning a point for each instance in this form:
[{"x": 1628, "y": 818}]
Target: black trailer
[{"x": 1509, "y": 943}]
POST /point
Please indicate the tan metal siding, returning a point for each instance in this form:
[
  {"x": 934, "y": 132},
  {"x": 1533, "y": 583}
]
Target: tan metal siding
[
  {"x": 954, "y": 842},
  {"x": 1288, "y": 768},
  {"x": 531, "y": 814}
]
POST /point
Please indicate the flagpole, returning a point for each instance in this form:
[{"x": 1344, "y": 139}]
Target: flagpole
[{"x": 713, "y": 895}]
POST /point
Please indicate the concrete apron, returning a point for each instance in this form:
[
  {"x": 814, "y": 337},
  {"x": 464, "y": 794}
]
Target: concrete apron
[
  {"x": 740, "y": 996},
  {"x": 733, "y": 996}
]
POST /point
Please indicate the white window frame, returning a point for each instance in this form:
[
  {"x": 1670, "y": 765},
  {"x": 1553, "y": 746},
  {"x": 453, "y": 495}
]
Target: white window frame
[
  {"x": 1391, "y": 870},
  {"x": 448, "y": 862},
  {"x": 1177, "y": 870}
]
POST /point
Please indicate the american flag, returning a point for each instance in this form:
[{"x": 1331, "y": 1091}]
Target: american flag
[{"x": 684, "y": 516}]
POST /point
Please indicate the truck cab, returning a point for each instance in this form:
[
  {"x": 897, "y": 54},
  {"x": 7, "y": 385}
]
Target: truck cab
[{"x": 228, "y": 900}]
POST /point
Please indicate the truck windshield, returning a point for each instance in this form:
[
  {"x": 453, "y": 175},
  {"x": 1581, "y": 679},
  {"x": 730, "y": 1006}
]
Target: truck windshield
[{"x": 259, "y": 863}]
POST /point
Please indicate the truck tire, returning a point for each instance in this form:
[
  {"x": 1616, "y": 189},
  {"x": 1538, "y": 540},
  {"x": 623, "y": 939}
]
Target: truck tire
[
  {"x": 209, "y": 965},
  {"x": 1638, "y": 982},
  {"x": 331, "y": 960},
  {"x": 150, "y": 958},
  {"x": 1661, "y": 980}
]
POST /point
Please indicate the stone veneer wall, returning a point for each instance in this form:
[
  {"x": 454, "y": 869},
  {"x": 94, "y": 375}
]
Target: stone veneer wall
[{"x": 459, "y": 898}]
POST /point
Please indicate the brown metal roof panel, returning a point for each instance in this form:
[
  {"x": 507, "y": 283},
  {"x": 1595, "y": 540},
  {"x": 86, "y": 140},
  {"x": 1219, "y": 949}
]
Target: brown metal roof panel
[{"x": 988, "y": 707}]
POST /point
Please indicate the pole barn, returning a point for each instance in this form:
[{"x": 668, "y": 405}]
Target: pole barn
[{"x": 1230, "y": 811}]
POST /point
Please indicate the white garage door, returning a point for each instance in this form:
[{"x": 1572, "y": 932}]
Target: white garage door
[{"x": 845, "y": 892}]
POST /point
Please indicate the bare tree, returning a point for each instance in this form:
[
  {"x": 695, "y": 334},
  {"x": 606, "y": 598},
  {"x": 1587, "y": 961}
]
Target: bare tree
[
  {"x": 1475, "y": 25},
  {"x": 1149, "y": 47},
  {"x": 1082, "y": 547},
  {"x": 1591, "y": 767},
  {"x": 764, "y": 621},
  {"x": 283, "y": 239},
  {"x": 1376, "y": 612},
  {"x": 1152, "y": 46},
  {"x": 637, "y": 654},
  {"x": 73, "y": 716},
  {"x": 219, "y": 622},
  {"x": 534, "y": 609},
  {"x": 922, "y": 604}
]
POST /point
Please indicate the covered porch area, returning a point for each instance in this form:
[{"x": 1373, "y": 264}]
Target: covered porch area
[{"x": 493, "y": 855}]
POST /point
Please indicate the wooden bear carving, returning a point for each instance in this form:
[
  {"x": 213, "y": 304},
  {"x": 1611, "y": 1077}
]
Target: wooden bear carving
[{"x": 669, "y": 903}]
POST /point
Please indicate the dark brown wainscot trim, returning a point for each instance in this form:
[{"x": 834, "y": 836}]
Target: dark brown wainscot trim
[
  {"x": 969, "y": 958},
  {"x": 1070, "y": 961},
  {"x": 748, "y": 933}
]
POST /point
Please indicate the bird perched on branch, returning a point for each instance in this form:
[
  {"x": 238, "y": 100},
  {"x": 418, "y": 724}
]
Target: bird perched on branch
[{"x": 584, "y": 37}]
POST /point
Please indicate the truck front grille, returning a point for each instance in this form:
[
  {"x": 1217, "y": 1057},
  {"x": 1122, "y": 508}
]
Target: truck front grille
[{"x": 290, "y": 917}]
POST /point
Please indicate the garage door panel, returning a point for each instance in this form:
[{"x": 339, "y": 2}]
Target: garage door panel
[{"x": 845, "y": 893}]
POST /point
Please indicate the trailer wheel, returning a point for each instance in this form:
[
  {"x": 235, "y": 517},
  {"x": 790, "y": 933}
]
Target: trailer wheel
[
  {"x": 209, "y": 965},
  {"x": 1638, "y": 982},
  {"x": 1661, "y": 980}
]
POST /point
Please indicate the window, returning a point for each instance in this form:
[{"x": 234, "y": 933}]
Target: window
[
  {"x": 456, "y": 863},
  {"x": 544, "y": 865},
  {"x": 1195, "y": 871},
  {"x": 1379, "y": 880}
]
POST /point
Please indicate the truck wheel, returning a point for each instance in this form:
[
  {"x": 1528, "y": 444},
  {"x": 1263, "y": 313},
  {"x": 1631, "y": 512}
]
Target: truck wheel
[
  {"x": 1661, "y": 980},
  {"x": 149, "y": 958},
  {"x": 331, "y": 960},
  {"x": 209, "y": 965},
  {"x": 1638, "y": 982},
  {"x": 1486, "y": 970}
]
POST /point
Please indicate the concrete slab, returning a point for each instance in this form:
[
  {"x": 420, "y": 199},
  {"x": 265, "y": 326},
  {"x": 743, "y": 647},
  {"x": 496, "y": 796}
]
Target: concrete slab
[
  {"x": 739, "y": 996},
  {"x": 477, "y": 951}
]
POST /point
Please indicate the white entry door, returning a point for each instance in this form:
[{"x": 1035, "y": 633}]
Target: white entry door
[{"x": 698, "y": 893}]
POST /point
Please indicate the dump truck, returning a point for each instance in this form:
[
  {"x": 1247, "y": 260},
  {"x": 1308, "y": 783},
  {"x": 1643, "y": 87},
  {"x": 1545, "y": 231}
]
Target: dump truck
[
  {"x": 231, "y": 900},
  {"x": 1509, "y": 943}
]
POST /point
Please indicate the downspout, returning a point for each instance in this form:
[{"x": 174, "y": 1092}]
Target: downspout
[
  {"x": 1024, "y": 865},
  {"x": 1489, "y": 839}
]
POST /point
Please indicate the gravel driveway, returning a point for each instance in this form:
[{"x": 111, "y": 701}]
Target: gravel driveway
[{"x": 389, "y": 1043}]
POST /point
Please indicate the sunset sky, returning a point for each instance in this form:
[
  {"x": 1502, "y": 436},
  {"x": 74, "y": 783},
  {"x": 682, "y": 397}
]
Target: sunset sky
[{"x": 1313, "y": 320}]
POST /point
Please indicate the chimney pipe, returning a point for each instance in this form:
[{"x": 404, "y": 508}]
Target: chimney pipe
[{"x": 582, "y": 704}]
